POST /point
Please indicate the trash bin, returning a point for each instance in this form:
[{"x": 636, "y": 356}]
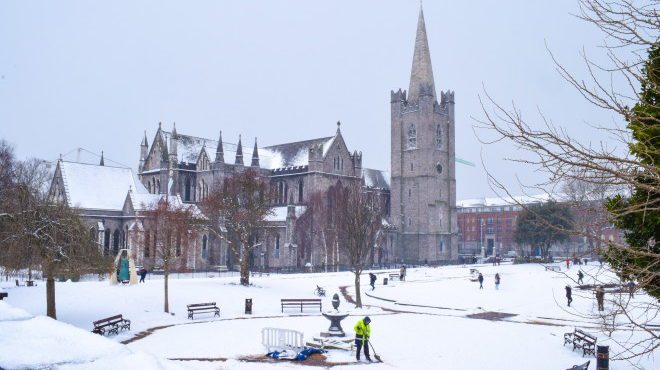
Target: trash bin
[
  {"x": 384, "y": 281},
  {"x": 248, "y": 306},
  {"x": 602, "y": 357}
]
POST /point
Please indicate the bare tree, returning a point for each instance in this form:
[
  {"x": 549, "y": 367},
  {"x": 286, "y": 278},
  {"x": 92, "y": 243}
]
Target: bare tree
[
  {"x": 240, "y": 204},
  {"x": 174, "y": 225},
  {"x": 359, "y": 221},
  {"x": 317, "y": 226},
  {"x": 628, "y": 88}
]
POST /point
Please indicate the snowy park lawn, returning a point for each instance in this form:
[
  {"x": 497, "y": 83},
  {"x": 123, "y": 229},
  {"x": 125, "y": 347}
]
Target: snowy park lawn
[{"x": 416, "y": 324}]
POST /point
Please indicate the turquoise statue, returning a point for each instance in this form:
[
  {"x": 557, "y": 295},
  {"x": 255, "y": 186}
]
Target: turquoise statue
[{"x": 123, "y": 269}]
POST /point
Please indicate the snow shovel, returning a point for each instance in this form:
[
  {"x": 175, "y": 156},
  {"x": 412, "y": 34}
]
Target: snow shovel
[{"x": 375, "y": 354}]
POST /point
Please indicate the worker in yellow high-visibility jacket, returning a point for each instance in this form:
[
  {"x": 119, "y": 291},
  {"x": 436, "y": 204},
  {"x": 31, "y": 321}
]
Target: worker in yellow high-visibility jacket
[{"x": 362, "y": 334}]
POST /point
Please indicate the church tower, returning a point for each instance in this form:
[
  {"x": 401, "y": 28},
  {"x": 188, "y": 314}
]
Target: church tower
[{"x": 423, "y": 186}]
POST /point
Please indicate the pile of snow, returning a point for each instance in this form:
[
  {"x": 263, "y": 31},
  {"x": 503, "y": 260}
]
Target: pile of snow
[{"x": 38, "y": 342}]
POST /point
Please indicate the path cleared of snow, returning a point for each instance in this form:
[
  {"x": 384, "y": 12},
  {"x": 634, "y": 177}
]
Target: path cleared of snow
[{"x": 419, "y": 323}]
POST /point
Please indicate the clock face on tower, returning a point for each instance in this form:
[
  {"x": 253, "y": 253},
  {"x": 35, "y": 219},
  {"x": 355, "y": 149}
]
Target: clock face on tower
[{"x": 438, "y": 167}]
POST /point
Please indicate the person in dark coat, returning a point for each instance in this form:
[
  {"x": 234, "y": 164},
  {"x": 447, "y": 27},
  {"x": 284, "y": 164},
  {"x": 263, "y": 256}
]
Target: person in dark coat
[
  {"x": 580, "y": 277},
  {"x": 143, "y": 274},
  {"x": 631, "y": 287},
  {"x": 497, "y": 281},
  {"x": 569, "y": 295},
  {"x": 481, "y": 281},
  {"x": 372, "y": 279},
  {"x": 600, "y": 298}
]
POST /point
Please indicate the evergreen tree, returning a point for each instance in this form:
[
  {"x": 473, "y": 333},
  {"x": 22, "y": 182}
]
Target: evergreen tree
[
  {"x": 542, "y": 225},
  {"x": 639, "y": 214}
]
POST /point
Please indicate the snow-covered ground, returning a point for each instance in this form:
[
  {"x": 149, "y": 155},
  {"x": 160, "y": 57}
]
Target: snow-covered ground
[{"x": 417, "y": 324}]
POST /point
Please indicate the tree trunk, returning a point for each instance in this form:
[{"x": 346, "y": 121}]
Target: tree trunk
[
  {"x": 166, "y": 274},
  {"x": 50, "y": 296},
  {"x": 245, "y": 267},
  {"x": 358, "y": 296}
]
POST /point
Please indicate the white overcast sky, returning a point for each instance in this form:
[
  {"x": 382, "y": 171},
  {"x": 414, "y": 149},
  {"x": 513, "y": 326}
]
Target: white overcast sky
[{"x": 97, "y": 74}]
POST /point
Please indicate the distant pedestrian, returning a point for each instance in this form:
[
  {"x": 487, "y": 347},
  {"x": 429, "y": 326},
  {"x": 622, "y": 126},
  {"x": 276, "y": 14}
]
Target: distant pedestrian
[
  {"x": 631, "y": 288},
  {"x": 494, "y": 260},
  {"x": 585, "y": 261},
  {"x": 481, "y": 281},
  {"x": 600, "y": 298},
  {"x": 498, "y": 260},
  {"x": 372, "y": 279},
  {"x": 143, "y": 274},
  {"x": 569, "y": 295},
  {"x": 497, "y": 281},
  {"x": 580, "y": 277},
  {"x": 402, "y": 273},
  {"x": 568, "y": 263}
]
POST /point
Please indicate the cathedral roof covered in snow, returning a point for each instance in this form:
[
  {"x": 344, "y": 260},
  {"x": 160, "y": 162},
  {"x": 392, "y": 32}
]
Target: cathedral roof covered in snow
[
  {"x": 270, "y": 157},
  {"x": 376, "y": 178},
  {"x": 294, "y": 154},
  {"x": 98, "y": 187}
]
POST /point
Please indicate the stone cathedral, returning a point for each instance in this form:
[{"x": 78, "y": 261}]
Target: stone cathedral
[{"x": 419, "y": 192}]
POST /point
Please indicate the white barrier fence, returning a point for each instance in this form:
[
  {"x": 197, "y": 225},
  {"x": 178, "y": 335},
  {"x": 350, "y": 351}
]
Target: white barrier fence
[{"x": 281, "y": 339}]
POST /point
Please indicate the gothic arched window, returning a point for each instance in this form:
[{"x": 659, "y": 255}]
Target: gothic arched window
[
  {"x": 412, "y": 136},
  {"x": 204, "y": 248},
  {"x": 186, "y": 192},
  {"x": 300, "y": 191},
  {"x": 438, "y": 136}
]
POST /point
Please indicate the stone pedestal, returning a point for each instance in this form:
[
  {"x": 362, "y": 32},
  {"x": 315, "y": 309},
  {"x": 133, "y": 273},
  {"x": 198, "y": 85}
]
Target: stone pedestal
[{"x": 335, "y": 329}]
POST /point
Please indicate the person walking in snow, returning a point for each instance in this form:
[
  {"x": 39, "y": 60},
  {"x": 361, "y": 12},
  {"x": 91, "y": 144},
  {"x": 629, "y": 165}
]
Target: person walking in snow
[
  {"x": 362, "y": 334},
  {"x": 568, "y": 263},
  {"x": 631, "y": 288},
  {"x": 497, "y": 281},
  {"x": 143, "y": 274},
  {"x": 600, "y": 298},
  {"x": 372, "y": 279},
  {"x": 481, "y": 281},
  {"x": 569, "y": 295},
  {"x": 580, "y": 277}
]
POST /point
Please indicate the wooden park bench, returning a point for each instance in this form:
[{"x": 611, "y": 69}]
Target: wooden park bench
[
  {"x": 203, "y": 308},
  {"x": 552, "y": 268},
  {"x": 3, "y": 295},
  {"x": 584, "y": 366},
  {"x": 301, "y": 303},
  {"x": 394, "y": 276},
  {"x": 580, "y": 339},
  {"x": 19, "y": 284},
  {"x": 111, "y": 325}
]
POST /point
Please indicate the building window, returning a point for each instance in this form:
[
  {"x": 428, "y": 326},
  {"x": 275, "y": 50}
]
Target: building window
[
  {"x": 204, "y": 250},
  {"x": 409, "y": 221},
  {"x": 178, "y": 245},
  {"x": 157, "y": 186},
  {"x": 438, "y": 136},
  {"x": 277, "y": 246},
  {"x": 115, "y": 242},
  {"x": 186, "y": 192},
  {"x": 412, "y": 167},
  {"x": 147, "y": 242},
  {"x": 412, "y": 136},
  {"x": 442, "y": 246},
  {"x": 300, "y": 191},
  {"x": 409, "y": 192}
]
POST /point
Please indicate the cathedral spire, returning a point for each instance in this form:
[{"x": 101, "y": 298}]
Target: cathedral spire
[
  {"x": 219, "y": 152},
  {"x": 421, "y": 75},
  {"x": 255, "y": 155},
  {"x": 239, "y": 152}
]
